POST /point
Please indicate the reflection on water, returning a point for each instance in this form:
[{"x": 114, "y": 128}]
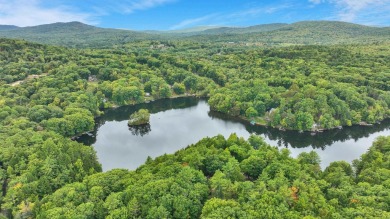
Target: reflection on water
[
  {"x": 176, "y": 123},
  {"x": 307, "y": 139},
  {"x": 140, "y": 130}
]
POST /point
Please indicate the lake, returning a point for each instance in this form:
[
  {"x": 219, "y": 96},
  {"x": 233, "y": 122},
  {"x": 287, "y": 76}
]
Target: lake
[{"x": 177, "y": 123}]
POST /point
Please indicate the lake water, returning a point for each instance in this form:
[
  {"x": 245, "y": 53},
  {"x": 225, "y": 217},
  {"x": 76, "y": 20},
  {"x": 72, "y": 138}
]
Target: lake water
[{"x": 177, "y": 123}]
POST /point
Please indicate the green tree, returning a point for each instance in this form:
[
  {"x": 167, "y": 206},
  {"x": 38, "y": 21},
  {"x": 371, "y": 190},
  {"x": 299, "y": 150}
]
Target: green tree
[
  {"x": 178, "y": 88},
  {"x": 140, "y": 117},
  {"x": 218, "y": 208},
  {"x": 304, "y": 121},
  {"x": 251, "y": 112}
]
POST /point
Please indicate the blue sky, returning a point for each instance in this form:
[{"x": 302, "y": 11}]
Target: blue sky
[{"x": 179, "y": 14}]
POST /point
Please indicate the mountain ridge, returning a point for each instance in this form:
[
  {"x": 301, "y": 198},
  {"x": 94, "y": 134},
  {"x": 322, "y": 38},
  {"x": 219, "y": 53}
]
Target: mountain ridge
[
  {"x": 77, "y": 34},
  {"x": 8, "y": 27}
]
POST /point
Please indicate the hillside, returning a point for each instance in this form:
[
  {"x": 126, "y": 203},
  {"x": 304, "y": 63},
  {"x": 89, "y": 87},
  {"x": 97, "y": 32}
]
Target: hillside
[
  {"x": 244, "y": 30},
  {"x": 8, "y": 27},
  {"x": 325, "y": 31},
  {"x": 194, "y": 29},
  {"x": 307, "y": 33},
  {"x": 75, "y": 34},
  {"x": 218, "y": 30}
]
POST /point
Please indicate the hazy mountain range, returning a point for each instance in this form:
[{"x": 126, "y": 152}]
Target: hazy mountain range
[{"x": 76, "y": 34}]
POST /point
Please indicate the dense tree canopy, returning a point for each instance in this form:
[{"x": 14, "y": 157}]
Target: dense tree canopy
[
  {"x": 298, "y": 87},
  {"x": 212, "y": 180},
  {"x": 50, "y": 94}
]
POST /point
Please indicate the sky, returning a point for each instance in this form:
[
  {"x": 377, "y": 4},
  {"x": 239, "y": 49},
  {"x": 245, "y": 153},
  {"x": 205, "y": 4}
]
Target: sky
[{"x": 182, "y": 14}]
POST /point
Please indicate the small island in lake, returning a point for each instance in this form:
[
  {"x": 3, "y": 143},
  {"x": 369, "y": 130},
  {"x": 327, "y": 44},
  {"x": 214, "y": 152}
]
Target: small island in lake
[{"x": 141, "y": 117}]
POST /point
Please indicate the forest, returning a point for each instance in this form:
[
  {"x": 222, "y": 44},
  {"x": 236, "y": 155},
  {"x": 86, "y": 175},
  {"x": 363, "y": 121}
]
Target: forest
[
  {"x": 298, "y": 87},
  {"x": 49, "y": 94},
  {"x": 232, "y": 178}
]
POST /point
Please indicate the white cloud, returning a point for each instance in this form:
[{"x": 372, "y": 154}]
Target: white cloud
[
  {"x": 218, "y": 19},
  {"x": 36, "y": 12},
  {"x": 256, "y": 11},
  {"x": 138, "y": 5},
  {"x": 359, "y": 10},
  {"x": 271, "y": 10},
  {"x": 351, "y": 9},
  {"x": 316, "y": 1},
  {"x": 31, "y": 12},
  {"x": 194, "y": 21}
]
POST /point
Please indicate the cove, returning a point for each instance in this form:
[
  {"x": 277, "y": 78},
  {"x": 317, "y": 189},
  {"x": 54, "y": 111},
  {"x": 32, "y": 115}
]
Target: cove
[{"x": 177, "y": 123}]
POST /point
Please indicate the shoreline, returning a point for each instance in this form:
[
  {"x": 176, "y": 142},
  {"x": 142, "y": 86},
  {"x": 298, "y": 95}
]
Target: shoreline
[
  {"x": 89, "y": 132},
  {"x": 313, "y": 131},
  {"x": 242, "y": 119}
]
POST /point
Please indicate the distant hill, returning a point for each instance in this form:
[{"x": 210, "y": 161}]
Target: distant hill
[
  {"x": 242, "y": 30},
  {"x": 306, "y": 32},
  {"x": 8, "y": 27},
  {"x": 76, "y": 34},
  {"x": 331, "y": 27},
  {"x": 187, "y": 31},
  {"x": 217, "y": 30},
  {"x": 194, "y": 29},
  {"x": 330, "y": 32}
]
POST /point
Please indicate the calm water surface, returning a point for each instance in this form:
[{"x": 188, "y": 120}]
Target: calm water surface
[{"x": 176, "y": 123}]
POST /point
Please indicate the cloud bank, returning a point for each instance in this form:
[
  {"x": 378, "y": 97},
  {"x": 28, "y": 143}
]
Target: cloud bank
[
  {"x": 217, "y": 19},
  {"x": 32, "y": 12},
  {"x": 35, "y": 12},
  {"x": 361, "y": 11},
  {"x": 138, "y": 5}
]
